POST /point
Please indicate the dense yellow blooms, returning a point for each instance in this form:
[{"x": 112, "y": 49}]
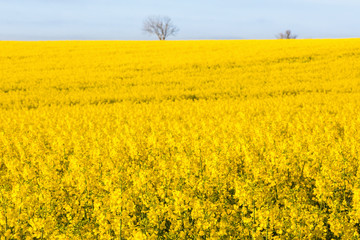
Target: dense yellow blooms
[{"x": 180, "y": 139}]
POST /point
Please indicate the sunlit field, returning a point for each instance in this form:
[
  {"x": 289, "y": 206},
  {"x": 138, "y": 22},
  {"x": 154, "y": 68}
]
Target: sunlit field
[{"x": 180, "y": 139}]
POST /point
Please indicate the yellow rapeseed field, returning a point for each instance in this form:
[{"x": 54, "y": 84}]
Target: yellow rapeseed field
[{"x": 180, "y": 139}]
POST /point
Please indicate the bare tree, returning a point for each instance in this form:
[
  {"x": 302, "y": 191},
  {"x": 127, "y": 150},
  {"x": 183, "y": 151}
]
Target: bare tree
[
  {"x": 161, "y": 26},
  {"x": 286, "y": 35}
]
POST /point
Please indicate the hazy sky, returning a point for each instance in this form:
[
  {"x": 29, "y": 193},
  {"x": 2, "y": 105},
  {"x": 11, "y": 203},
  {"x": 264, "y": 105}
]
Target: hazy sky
[{"x": 197, "y": 19}]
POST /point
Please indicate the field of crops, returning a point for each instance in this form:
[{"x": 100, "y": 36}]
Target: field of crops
[{"x": 180, "y": 139}]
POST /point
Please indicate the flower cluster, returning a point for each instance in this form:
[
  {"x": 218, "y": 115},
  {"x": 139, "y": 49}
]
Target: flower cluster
[{"x": 180, "y": 140}]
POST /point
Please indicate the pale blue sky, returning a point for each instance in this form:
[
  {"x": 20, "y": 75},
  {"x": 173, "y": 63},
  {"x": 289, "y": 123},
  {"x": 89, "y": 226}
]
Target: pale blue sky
[{"x": 197, "y": 19}]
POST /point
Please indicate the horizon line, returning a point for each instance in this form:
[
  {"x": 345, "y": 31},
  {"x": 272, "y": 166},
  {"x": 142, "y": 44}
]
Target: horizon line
[{"x": 174, "y": 40}]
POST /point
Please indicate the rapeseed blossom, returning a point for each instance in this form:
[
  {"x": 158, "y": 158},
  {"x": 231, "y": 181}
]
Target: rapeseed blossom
[{"x": 180, "y": 140}]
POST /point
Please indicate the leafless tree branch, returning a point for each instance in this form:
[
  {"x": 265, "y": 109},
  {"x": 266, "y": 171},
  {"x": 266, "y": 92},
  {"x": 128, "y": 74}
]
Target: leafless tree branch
[
  {"x": 286, "y": 35},
  {"x": 161, "y": 26}
]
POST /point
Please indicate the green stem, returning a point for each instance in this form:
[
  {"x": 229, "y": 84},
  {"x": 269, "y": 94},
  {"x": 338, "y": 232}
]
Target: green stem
[
  {"x": 254, "y": 220},
  {"x": 6, "y": 222}
]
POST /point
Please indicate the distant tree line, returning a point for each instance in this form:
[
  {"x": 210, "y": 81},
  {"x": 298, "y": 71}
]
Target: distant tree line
[{"x": 163, "y": 27}]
